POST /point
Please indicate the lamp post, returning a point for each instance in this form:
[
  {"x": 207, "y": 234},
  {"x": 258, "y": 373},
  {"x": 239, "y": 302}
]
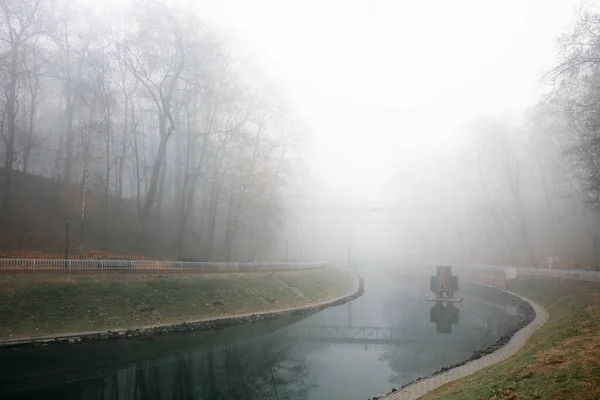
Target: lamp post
[
  {"x": 350, "y": 245},
  {"x": 67, "y": 224}
]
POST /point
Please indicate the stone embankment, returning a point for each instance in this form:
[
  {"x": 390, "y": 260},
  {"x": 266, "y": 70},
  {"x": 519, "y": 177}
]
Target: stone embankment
[{"x": 525, "y": 310}]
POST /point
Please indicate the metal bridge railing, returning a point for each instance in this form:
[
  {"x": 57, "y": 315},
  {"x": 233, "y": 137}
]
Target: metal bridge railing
[
  {"x": 17, "y": 264},
  {"x": 351, "y": 332}
]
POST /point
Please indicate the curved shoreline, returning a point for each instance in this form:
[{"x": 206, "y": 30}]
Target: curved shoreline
[
  {"x": 184, "y": 327},
  {"x": 507, "y": 346}
]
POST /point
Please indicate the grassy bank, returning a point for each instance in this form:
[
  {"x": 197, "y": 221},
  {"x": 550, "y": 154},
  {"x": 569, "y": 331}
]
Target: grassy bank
[
  {"x": 39, "y": 304},
  {"x": 560, "y": 361}
]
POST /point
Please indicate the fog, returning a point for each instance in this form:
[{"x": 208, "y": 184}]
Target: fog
[
  {"x": 384, "y": 68},
  {"x": 340, "y": 130}
]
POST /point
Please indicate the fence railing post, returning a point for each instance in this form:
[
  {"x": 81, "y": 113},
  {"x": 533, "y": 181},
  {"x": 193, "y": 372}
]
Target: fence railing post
[{"x": 116, "y": 264}]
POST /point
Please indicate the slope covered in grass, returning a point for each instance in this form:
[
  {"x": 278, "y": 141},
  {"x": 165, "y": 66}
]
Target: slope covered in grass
[
  {"x": 45, "y": 304},
  {"x": 560, "y": 361}
]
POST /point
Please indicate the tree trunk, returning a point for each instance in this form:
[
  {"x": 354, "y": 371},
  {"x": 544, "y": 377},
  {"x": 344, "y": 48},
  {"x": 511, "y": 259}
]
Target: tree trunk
[
  {"x": 212, "y": 378},
  {"x": 33, "y": 93},
  {"x": 184, "y": 205},
  {"x": 107, "y": 182},
  {"x": 549, "y": 211},
  {"x": 161, "y": 187},
  {"x": 496, "y": 217},
  {"x": 515, "y": 189},
  {"x": 228, "y": 244},
  {"x": 212, "y": 225},
  {"x": 525, "y": 236},
  {"x": 140, "y": 382},
  {"x": 189, "y": 193},
  {"x": 70, "y": 109},
  {"x": 123, "y": 152},
  {"x": 138, "y": 177},
  {"x": 10, "y": 110},
  {"x": 82, "y": 217},
  {"x": 153, "y": 184},
  {"x": 56, "y": 169}
]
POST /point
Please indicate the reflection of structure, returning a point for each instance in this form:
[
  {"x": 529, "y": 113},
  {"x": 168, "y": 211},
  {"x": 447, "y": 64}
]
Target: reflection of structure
[
  {"x": 349, "y": 334},
  {"x": 362, "y": 334},
  {"x": 444, "y": 315}
]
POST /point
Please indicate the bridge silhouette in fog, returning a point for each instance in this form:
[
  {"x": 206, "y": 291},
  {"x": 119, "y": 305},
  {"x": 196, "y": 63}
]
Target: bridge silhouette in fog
[{"x": 366, "y": 335}]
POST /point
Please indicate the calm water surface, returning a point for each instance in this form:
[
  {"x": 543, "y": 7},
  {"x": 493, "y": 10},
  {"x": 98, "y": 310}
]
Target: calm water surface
[{"x": 353, "y": 351}]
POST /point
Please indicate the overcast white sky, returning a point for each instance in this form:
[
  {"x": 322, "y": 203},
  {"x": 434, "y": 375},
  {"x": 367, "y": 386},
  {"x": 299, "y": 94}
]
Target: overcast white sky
[
  {"x": 382, "y": 80},
  {"x": 378, "y": 80}
]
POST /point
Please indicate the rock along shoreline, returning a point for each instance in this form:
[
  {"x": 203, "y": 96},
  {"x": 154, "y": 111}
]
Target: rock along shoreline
[
  {"x": 524, "y": 310},
  {"x": 183, "y": 327}
]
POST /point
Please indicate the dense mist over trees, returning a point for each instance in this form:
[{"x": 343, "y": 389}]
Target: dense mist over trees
[
  {"x": 516, "y": 190},
  {"x": 147, "y": 107},
  {"x": 152, "y": 112}
]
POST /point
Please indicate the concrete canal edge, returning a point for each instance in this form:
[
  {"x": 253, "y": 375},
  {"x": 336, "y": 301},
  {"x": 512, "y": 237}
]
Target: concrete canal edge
[
  {"x": 421, "y": 387},
  {"x": 186, "y": 327}
]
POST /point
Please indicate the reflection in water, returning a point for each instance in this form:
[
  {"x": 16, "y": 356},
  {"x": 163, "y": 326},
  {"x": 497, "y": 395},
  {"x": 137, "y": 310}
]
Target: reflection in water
[
  {"x": 444, "y": 315},
  {"x": 269, "y": 369},
  {"x": 353, "y": 351},
  {"x": 481, "y": 323}
]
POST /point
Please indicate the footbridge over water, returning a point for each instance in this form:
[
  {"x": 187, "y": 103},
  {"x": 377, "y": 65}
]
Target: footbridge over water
[{"x": 368, "y": 335}]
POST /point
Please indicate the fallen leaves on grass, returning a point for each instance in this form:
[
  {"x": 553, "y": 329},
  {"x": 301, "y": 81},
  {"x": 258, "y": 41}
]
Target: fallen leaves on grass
[
  {"x": 501, "y": 394},
  {"x": 88, "y": 255}
]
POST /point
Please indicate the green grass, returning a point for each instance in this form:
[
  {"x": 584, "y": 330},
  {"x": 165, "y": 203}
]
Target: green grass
[
  {"x": 320, "y": 287},
  {"x": 36, "y": 305},
  {"x": 560, "y": 361}
]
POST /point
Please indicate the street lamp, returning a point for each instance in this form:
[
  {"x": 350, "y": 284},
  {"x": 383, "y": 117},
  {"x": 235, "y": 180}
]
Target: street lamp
[
  {"x": 350, "y": 245},
  {"x": 67, "y": 224},
  {"x": 286, "y": 249}
]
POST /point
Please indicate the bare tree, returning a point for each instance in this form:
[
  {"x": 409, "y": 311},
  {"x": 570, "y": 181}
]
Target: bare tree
[
  {"x": 160, "y": 82},
  {"x": 21, "y": 25},
  {"x": 96, "y": 107}
]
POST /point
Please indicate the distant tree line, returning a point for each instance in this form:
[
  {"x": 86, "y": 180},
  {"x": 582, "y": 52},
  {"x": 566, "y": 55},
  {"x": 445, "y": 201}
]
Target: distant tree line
[
  {"x": 147, "y": 107},
  {"x": 524, "y": 191}
]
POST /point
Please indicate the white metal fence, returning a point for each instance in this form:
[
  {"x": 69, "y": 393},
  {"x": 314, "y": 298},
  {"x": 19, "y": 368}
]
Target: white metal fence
[
  {"x": 501, "y": 270},
  {"x": 542, "y": 272},
  {"x": 16, "y": 264},
  {"x": 563, "y": 274}
]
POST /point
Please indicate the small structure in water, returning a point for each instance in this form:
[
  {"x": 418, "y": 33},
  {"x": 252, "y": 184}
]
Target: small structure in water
[
  {"x": 444, "y": 285},
  {"x": 444, "y": 313}
]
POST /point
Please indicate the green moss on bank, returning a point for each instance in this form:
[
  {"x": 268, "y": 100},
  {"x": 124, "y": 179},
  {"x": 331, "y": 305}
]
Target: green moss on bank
[
  {"x": 560, "y": 361},
  {"x": 45, "y": 304}
]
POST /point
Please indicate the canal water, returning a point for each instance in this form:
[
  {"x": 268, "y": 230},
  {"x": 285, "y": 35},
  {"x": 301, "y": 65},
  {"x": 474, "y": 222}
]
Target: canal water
[{"x": 386, "y": 338}]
